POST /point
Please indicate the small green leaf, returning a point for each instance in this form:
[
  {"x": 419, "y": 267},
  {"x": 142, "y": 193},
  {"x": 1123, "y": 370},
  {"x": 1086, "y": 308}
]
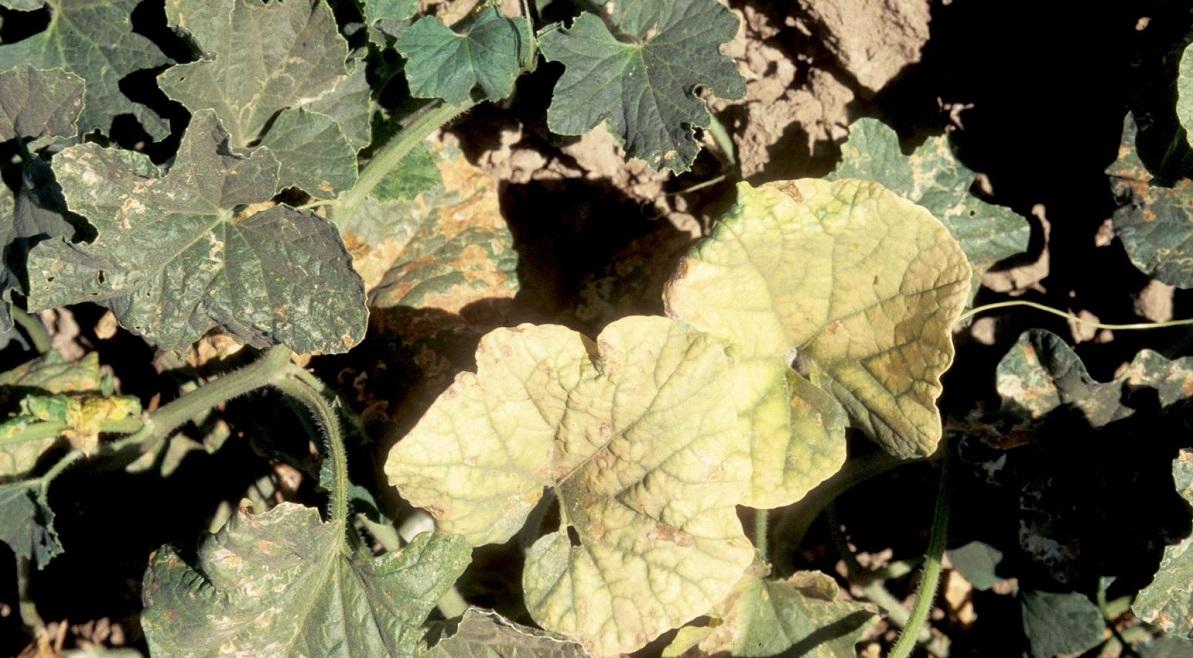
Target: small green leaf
[
  {"x": 95, "y": 41},
  {"x": 801, "y": 616},
  {"x": 174, "y": 259},
  {"x": 28, "y": 526},
  {"x": 1060, "y": 623},
  {"x": 646, "y": 471},
  {"x": 1184, "y": 87},
  {"x": 643, "y": 86},
  {"x": 285, "y": 584},
  {"x": 483, "y": 634},
  {"x": 933, "y": 178},
  {"x": 857, "y": 287},
  {"x": 977, "y": 562},
  {"x": 1168, "y": 601},
  {"x": 488, "y": 52},
  {"x": 390, "y": 10}
]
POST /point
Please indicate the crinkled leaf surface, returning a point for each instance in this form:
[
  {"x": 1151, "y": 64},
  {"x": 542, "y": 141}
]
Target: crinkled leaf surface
[
  {"x": 261, "y": 59},
  {"x": 934, "y": 178},
  {"x": 284, "y": 584},
  {"x": 488, "y": 53},
  {"x": 1168, "y": 601},
  {"x": 432, "y": 235},
  {"x": 1184, "y": 86},
  {"x": 1055, "y": 623},
  {"x": 174, "y": 259},
  {"x": 1154, "y": 222},
  {"x": 801, "y": 616},
  {"x": 645, "y": 465},
  {"x": 643, "y": 85},
  {"x": 483, "y": 634},
  {"x": 95, "y": 41},
  {"x": 39, "y": 107},
  {"x": 861, "y": 285}
]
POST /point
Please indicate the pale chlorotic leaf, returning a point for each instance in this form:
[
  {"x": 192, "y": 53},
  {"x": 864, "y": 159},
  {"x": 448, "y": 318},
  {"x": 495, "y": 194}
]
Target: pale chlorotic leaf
[
  {"x": 1041, "y": 373},
  {"x": 1060, "y": 623},
  {"x": 174, "y": 259},
  {"x": 1155, "y": 222},
  {"x": 28, "y": 526},
  {"x": 1184, "y": 87},
  {"x": 804, "y": 615},
  {"x": 644, "y": 87},
  {"x": 285, "y": 584},
  {"x": 1168, "y": 601},
  {"x": 297, "y": 60},
  {"x": 933, "y": 178},
  {"x": 488, "y": 53},
  {"x": 484, "y": 634},
  {"x": 645, "y": 461},
  {"x": 854, "y": 285},
  {"x": 96, "y": 42},
  {"x": 23, "y": 5},
  {"x": 312, "y": 152},
  {"x": 39, "y": 107}
]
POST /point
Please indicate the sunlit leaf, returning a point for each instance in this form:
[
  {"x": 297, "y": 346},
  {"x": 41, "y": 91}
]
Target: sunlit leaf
[
  {"x": 487, "y": 52},
  {"x": 1168, "y": 601}
]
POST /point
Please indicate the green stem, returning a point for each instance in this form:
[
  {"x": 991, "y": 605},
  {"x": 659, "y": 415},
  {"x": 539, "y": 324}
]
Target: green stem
[
  {"x": 26, "y": 606},
  {"x": 390, "y": 156},
  {"x": 1133, "y": 326},
  {"x": 326, "y": 416},
  {"x": 34, "y": 329},
  {"x": 48, "y": 429},
  {"x": 925, "y": 594},
  {"x": 761, "y": 518}
]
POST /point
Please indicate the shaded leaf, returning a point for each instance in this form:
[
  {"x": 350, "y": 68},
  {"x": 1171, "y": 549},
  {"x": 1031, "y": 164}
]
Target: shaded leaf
[
  {"x": 284, "y": 583},
  {"x": 856, "y": 285},
  {"x": 483, "y": 634},
  {"x": 28, "y": 526},
  {"x": 643, "y": 84},
  {"x": 645, "y": 469},
  {"x": 977, "y": 563},
  {"x": 174, "y": 259},
  {"x": 934, "y": 178},
  {"x": 1060, "y": 623},
  {"x": 801, "y": 616},
  {"x": 487, "y": 52},
  {"x": 96, "y": 42},
  {"x": 1168, "y": 601}
]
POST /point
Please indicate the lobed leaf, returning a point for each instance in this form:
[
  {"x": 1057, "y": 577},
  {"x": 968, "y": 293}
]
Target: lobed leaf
[
  {"x": 483, "y": 634},
  {"x": 285, "y": 584},
  {"x": 1167, "y": 602},
  {"x": 854, "y": 285},
  {"x": 641, "y": 77},
  {"x": 1055, "y": 623},
  {"x": 646, "y": 467},
  {"x": 175, "y": 256}
]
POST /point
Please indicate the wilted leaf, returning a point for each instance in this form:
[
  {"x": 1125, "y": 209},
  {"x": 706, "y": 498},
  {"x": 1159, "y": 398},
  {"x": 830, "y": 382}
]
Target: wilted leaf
[
  {"x": 859, "y": 286},
  {"x": 487, "y": 52},
  {"x": 483, "y": 634},
  {"x": 801, "y": 616},
  {"x": 1060, "y": 623},
  {"x": 645, "y": 464},
  {"x": 933, "y": 178},
  {"x": 1168, "y": 601},
  {"x": 81, "y": 415},
  {"x": 285, "y": 584},
  {"x": 53, "y": 374},
  {"x": 644, "y": 87},
  {"x": 95, "y": 41},
  {"x": 174, "y": 260},
  {"x": 1154, "y": 222},
  {"x": 298, "y": 60},
  {"x": 1184, "y": 88}
]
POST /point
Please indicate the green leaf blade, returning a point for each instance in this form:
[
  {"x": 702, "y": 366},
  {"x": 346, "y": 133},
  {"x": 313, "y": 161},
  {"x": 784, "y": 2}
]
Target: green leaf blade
[
  {"x": 488, "y": 53},
  {"x": 1167, "y": 601}
]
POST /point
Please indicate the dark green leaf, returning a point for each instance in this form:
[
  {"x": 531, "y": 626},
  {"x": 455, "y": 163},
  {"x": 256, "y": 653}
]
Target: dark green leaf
[
  {"x": 285, "y": 584},
  {"x": 484, "y": 634},
  {"x": 176, "y": 258},
  {"x": 1168, "y": 601},
  {"x": 442, "y": 63},
  {"x": 39, "y": 107},
  {"x": 312, "y": 152},
  {"x": 1060, "y": 623},
  {"x": 94, "y": 40},
  {"x": 643, "y": 86},
  {"x": 417, "y": 174},
  {"x": 28, "y": 526}
]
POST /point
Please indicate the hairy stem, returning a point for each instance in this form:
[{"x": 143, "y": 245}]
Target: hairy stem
[
  {"x": 34, "y": 329},
  {"x": 333, "y": 435},
  {"x": 925, "y": 593},
  {"x": 1133, "y": 326}
]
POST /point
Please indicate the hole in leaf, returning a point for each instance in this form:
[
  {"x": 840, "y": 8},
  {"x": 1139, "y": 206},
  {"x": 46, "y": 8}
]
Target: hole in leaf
[{"x": 573, "y": 536}]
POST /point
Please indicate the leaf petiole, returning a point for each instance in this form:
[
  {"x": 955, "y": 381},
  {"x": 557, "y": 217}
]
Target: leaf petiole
[{"x": 1133, "y": 326}]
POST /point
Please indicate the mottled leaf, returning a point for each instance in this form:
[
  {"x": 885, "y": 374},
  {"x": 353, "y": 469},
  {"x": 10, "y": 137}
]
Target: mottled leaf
[
  {"x": 96, "y": 42},
  {"x": 296, "y": 61},
  {"x": 348, "y": 103},
  {"x": 176, "y": 257},
  {"x": 82, "y": 416},
  {"x": 285, "y": 584},
  {"x": 856, "y": 286},
  {"x": 23, "y": 5},
  {"x": 1154, "y": 222},
  {"x": 1184, "y": 88},
  {"x": 645, "y": 465},
  {"x": 1168, "y": 601},
  {"x": 804, "y": 615},
  {"x": 486, "y": 52},
  {"x": 643, "y": 85},
  {"x": 39, "y": 107},
  {"x": 934, "y": 178},
  {"x": 977, "y": 562},
  {"x": 483, "y": 634},
  {"x": 1055, "y": 623}
]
